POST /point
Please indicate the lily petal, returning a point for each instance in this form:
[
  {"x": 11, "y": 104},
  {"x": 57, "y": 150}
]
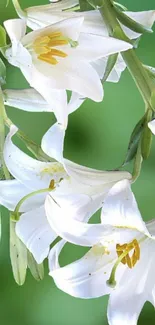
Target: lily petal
[
  {"x": 102, "y": 46},
  {"x": 35, "y": 232},
  {"x": 68, "y": 216},
  {"x": 146, "y": 18},
  {"x": 26, "y": 99},
  {"x": 126, "y": 302},
  {"x": 94, "y": 177},
  {"x": 53, "y": 142},
  {"x": 120, "y": 208},
  {"x": 85, "y": 278},
  {"x": 151, "y": 126},
  {"x": 76, "y": 76},
  {"x": 16, "y": 29},
  {"x": 33, "y": 173}
]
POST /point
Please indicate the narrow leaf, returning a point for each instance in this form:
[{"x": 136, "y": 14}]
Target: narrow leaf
[
  {"x": 85, "y": 5},
  {"x": 2, "y": 37},
  {"x": 2, "y": 73},
  {"x": 18, "y": 255},
  {"x": 146, "y": 137},
  {"x": 130, "y": 23},
  {"x": 110, "y": 65},
  {"x": 134, "y": 141},
  {"x": 37, "y": 270}
]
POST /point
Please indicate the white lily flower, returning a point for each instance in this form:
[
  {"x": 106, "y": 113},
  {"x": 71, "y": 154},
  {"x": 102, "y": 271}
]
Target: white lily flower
[
  {"x": 59, "y": 57},
  {"x": 44, "y": 15},
  {"x": 120, "y": 263},
  {"x": 34, "y": 179}
]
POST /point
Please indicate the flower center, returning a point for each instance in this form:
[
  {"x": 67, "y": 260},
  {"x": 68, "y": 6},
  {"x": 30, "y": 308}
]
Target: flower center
[
  {"x": 132, "y": 247},
  {"x": 44, "y": 46},
  {"x": 127, "y": 254}
]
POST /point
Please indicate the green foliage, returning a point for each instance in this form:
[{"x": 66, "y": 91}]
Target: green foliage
[
  {"x": 110, "y": 65},
  {"x": 134, "y": 141},
  {"x": 2, "y": 73},
  {"x": 2, "y": 37}
]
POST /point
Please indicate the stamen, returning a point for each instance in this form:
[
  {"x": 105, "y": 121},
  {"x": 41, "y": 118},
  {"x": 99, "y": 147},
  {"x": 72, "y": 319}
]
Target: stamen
[
  {"x": 124, "y": 257},
  {"x": 15, "y": 214},
  {"x": 44, "y": 47}
]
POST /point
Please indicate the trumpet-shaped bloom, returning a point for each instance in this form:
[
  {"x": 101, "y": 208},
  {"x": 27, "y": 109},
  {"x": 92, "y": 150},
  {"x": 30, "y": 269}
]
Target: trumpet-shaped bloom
[
  {"x": 120, "y": 263},
  {"x": 59, "y": 57},
  {"x": 42, "y": 16},
  {"x": 34, "y": 179}
]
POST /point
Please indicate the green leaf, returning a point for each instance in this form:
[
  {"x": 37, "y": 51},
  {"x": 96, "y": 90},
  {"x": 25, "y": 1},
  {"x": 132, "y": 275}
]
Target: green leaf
[
  {"x": 2, "y": 37},
  {"x": 120, "y": 6},
  {"x": 130, "y": 23},
  {"x": 37, "y": 270},
  {"x": 110, "y": 64},
  {"x": 18, "y": 255},
  {"x": 134, "y": 140},
  {"x": 85, "y": 5},
  {"x": 146, "y": 137},
  {"x": 2, "y": 73}
]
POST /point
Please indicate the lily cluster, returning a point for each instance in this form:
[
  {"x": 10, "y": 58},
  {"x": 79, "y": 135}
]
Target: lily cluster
[{"x": 68, "y": 50}]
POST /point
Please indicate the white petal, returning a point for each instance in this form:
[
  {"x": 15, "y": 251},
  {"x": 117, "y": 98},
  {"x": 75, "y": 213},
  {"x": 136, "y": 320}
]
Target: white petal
[
  {"x": 73, "y": 75},
  {"x": 57, "y": 99},
  {"x": 26, "y": 99},
  {"x": 102, "y": 46},
  {"x": 120, "y": 208},
  {"x": 16, "y": 29},
  {"x": 94, "y": 177},
  {"x": 151, "y": 126},
  {"x": 53, "y": 142},
  {"x": 114, "y": 76},
  {"x": 11, "y": 192},
  {"x": 35, "y": 232},
  {"x": 85, "y": 278},
  {"x": 146, "y": 18},
  {"x": 33, "y": 173},
  {"x": 67, "y": 216},
  {"x": 70, "y": 28},
  {"x": 65, "y": 4},
  {"x": 127, "y": 300},
  {"x": 75, "y": 102}
]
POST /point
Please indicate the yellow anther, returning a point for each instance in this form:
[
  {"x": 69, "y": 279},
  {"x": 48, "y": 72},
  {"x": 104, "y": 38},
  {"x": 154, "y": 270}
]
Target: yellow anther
[
  {"x": 127, "y": 259},
  {"x": 51, "y": 184},
  {"x": 124, "y": 257},
  {"x": 44, "y": 47}
]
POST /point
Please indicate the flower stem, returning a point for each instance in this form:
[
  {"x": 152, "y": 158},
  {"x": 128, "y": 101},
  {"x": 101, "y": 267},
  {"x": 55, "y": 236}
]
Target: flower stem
[
  {"x": 137, "y": 70},
  {"x": 15, "y": 214}
]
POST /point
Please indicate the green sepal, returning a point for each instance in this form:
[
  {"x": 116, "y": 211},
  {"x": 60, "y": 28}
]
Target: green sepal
[
  {"x": 2, "y": 37},
  {"x": 110, "y": 65},
  {"x": 134, "y": 141},
  {"x": 2, "y": 73},
  {"x": 37, "y": 270},
  {"x": 146, "y": 137},
  {"x": 130, "y": 23},
  {"x": 18, "y": 255},
  {"x": 85, "y": 5}
]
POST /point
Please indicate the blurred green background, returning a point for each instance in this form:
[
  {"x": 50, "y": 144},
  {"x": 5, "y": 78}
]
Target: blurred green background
[{"x": 97, "y": 136}]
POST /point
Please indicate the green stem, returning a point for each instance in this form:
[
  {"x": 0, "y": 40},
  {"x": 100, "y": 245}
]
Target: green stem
[
  {"x": 15, "y": 215},
  {"x": 2, "y": 136},
  {"x": 138, "y": 72}
]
